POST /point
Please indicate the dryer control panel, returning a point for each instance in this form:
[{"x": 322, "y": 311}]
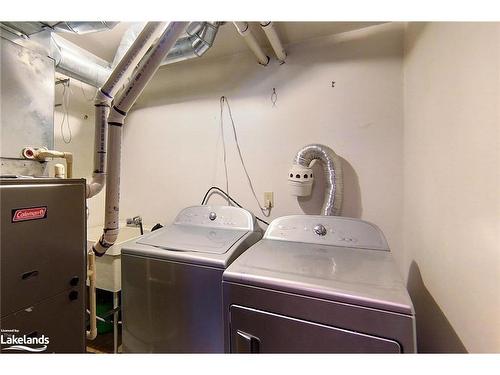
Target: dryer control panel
[
  {"x": 217, "y": 217},
  {"x": 327, "y": 230}
]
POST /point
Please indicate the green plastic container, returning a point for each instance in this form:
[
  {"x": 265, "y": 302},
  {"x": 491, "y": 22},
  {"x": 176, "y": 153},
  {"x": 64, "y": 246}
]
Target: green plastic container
[{"x": 104, "y": 303}]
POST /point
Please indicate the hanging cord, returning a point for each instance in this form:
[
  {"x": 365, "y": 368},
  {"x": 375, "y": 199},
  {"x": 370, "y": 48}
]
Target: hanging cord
[
  {"x": 84, "y": 94},
  {"x": 65, "y": 107},
  {"x": 265, "y": 211},
  {"x": 205, "y": 199},
  {"x": 224, "y": 144},
  {"x": 274, "y": 97}
]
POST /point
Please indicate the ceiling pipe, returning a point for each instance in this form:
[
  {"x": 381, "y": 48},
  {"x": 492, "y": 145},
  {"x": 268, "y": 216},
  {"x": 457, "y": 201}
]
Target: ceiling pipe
[
  {"x": 106, "y": 94},
  {"x": 122, "y": 104},
  {"x": 83, "y": 27},
  {"x": 244, "y": 30},
  {"x": 196, "y": 44},
  {"x": 274, "y": 40},
  {"x": 78, "y": 63},
  {"x": 33, "y": 27},
  {"x": 198, "y": 39}
]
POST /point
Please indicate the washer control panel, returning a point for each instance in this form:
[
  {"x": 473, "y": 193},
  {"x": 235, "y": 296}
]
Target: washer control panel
[
  {"x": 327, "y": 230},
  {"x": 217, "y": 217}
]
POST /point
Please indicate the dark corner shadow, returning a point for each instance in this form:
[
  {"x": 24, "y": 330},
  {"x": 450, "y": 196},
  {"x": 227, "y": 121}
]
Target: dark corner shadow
[
  {"x": 351, "y": 202},
  {"x": 434, "y": 332}
]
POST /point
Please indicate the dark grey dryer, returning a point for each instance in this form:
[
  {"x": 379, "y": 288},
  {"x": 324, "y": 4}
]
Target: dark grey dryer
[{"x": 317, "y": 284}]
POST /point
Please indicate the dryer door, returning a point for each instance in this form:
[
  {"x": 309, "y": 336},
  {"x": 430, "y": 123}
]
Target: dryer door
[{"x": 255, "y": 331}]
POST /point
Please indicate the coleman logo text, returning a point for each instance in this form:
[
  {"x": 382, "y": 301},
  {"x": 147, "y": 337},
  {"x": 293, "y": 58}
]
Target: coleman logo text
[{"x": 32, "y": 213}]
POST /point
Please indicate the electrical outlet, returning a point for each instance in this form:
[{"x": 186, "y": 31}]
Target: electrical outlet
[{"x": 268, "y": 199}]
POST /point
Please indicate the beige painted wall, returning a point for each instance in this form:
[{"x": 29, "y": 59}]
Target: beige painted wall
[
  {"x": 451, "y": 184},
  {"x": 172, "y": 151}
]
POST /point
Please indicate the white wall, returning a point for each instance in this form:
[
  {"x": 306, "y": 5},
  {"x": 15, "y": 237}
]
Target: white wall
[
  {"x": 451, "y": 184},
  {"x": 172, "y": 151},
  {"x": 81, "y": 122}
]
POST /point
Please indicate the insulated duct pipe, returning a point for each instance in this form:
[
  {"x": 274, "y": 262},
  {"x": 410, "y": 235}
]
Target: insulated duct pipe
[
  {"x": 200, "y": 37},
  {"x": 105, "y": 96},
  {"x": 78, "y": 27},
  {"x": 274, "y": 40},
  {"x": 244, "y": 30},
  {"x": 33, "y": 27},
  {"x": 148, "y": 66},
  {"x": 301, "y": 176},
  {"x": 78, "y": 63}
]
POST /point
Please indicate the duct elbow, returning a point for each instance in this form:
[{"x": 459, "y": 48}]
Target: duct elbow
[
  {"x": 301, "y": 176},
  {"x": 95, "y": 186},
  {"x": 108, "y": 239}
]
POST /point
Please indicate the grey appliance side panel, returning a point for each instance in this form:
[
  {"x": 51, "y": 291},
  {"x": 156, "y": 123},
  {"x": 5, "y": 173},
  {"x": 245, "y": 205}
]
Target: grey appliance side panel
[
  {"x": 171, "y": 307},
  {"x": 60, "y": 318},
  {"x": 20, "y": 167},
  {"x": 255, "y": 331},
  {"x": 43, "y": 257},
  {"x": 383, "y": 324}
]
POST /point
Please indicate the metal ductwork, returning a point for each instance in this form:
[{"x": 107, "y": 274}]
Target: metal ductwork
[
  {"x": 83, "y": 27},
  {"x": 197, "y": 40},
  {"x": 76, "y": 27},
  {"x": 301, "y": 176},
  {"x": 78, "y": 63},
  {"x": 75, "y": 62}
]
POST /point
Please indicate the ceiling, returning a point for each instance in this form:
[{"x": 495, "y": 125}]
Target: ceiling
[{"x": 228, "y": 41}]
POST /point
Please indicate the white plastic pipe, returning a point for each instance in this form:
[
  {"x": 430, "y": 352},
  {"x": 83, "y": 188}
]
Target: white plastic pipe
[
  {"x": 43, "y": 154},
  {"x": 92, "y": 333},
  {"x": 274, "y": 40},
  {"x": 59, "y": 171},
  {"x": 147, "y": 68},
  {"x": 244, "y": 30},
  {"x": 105, "y": 96}
]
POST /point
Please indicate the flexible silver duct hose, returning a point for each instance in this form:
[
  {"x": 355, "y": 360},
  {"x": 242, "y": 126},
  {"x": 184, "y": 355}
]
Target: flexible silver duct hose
[{"x": 332, "y": 168}]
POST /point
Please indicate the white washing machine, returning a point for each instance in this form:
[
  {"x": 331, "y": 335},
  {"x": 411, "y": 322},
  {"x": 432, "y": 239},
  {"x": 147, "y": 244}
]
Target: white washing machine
[
  {"x": 172, "y": 280},
  {"x": 318, "y": 284}
]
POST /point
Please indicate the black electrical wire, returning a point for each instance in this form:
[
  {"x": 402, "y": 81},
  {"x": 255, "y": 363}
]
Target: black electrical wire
[{"x": 228, "y": 197}]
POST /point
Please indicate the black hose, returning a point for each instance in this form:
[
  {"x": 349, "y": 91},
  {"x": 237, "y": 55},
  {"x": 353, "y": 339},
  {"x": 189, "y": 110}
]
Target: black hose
[{"x": 228, "y": 197}]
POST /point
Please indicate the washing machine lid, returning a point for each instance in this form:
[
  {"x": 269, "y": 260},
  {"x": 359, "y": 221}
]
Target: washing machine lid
[
  {"x": 362, "y": 273},
  {"x": 180, "y": 237},
  {"x": 203, "y": 229}
]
